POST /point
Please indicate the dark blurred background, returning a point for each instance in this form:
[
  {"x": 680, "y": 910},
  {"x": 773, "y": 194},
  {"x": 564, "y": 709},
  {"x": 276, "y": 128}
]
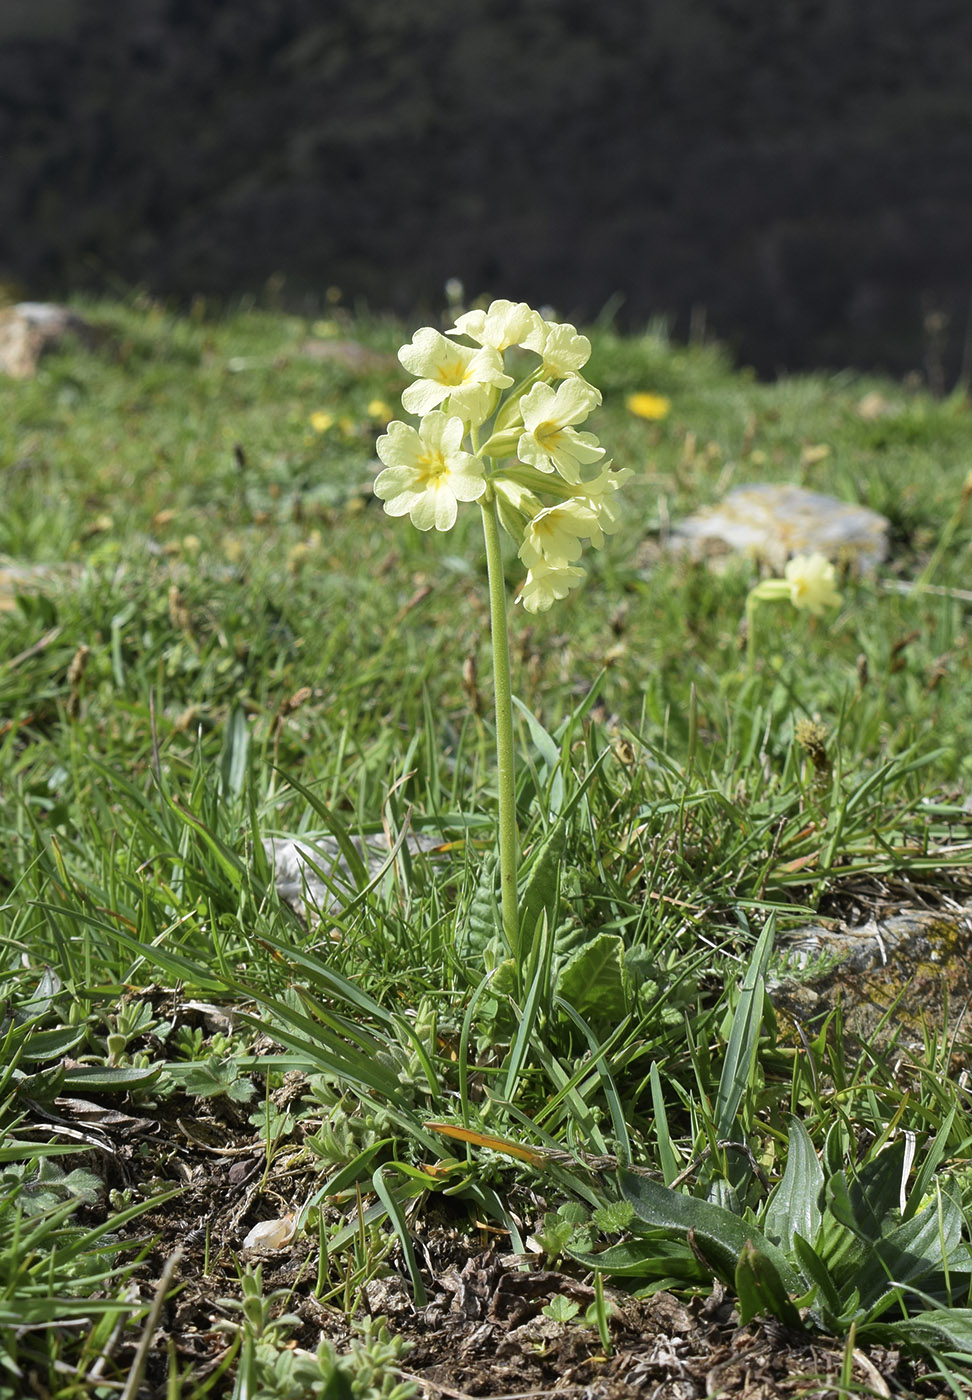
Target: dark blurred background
[{"x": 793, "y": 175}]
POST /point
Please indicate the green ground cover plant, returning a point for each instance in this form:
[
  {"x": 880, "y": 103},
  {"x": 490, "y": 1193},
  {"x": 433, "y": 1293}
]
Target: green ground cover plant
[{"x": 212, "y": 637}]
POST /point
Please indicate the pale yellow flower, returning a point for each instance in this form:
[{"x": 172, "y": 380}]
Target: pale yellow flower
[
  {"x": 464, "y": 376},
  {"x": 651, "y": 406},
  {"x": 505, "y": 323},
  {"x": 599, "y": 494},
  {"x": 549, "y": 442},
  {"x": 564, "y": 351},
  {"x": 812, "y": 583},
  {"x": 379, "y": 409},
  {"x": 808, "y": 582},
  {"x": 427, "y": 472},
  {"x": 546, "y": 583},
  {"x": 321, "y": 421},
  {"x": 554, "y": 535}
]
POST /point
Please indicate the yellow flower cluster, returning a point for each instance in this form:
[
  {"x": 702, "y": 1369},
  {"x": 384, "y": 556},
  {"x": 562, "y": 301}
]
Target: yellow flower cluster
[{"x": 514, "y": 435}]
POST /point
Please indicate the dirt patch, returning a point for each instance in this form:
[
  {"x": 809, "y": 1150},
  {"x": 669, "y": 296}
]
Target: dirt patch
[{"x": 483, "y": 1330}]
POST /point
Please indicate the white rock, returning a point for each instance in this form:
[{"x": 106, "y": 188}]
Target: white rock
[
  {"x": 775, "y": 521},
  {"x": 298, "y": 883},
  {"x": 270, "y": 1234},
  {"x": 30, "y": 328}
]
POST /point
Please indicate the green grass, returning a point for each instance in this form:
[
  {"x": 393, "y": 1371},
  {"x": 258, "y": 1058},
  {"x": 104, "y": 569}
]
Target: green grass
[{"x": 267, "y": 652}]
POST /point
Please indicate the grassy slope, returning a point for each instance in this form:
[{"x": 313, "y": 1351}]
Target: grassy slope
[{"x": 253, "y": 621}]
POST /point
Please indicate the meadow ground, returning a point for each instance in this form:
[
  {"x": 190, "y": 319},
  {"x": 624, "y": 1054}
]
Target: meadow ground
[{"x": 210, "y": 636}]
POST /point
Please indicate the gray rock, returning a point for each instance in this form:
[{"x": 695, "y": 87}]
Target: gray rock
[
  {"x": 301, "y": 884},
  {"x": 895, "y": 977},
  {"x": 31, "y": 328},
  {"x": 774, "y": 521}
]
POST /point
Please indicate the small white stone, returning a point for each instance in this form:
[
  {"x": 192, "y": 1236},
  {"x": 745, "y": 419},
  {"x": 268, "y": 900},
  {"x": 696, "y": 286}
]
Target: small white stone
[{"x": 270, "y": 1234}]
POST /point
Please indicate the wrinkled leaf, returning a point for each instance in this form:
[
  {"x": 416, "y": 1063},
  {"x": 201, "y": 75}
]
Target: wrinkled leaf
[
  {"x": 594, "y": 979},
  {"x": 539, "y": 894},
  {"x": 653, "y": 1258},
  {"x": 719, "y": 1234}
]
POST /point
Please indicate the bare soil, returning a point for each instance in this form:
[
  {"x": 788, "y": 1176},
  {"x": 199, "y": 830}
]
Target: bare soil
[{"x": 482, "y": 1332}]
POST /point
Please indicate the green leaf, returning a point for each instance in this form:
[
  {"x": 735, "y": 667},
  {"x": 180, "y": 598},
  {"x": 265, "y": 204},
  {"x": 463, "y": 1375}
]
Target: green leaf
[
  {"x": 794, "y": 1206},
  {"x": 599, "y": 1055},
  {"x": 549, "y": 752},
  {"x": 668, "y": 1161},
  {"x": 930, "y": 1329},
  {"x": 654, "y": 1257},
  {"x": 760, "y": 1289},
  {"x": 527, "y": 1019},
  {"x": 721, "y": 1235},
  {"x": 747, "y": 1022},
  {"x": 233, "y": 759},
  {"x": 594, "y": 979},
  {"x": 915, "y": 1250},
  {"x": 874, "y": 1193},
  {"x": 52, "y": 1044},
  {"x": 561, "y": 1309},
  {"x": 98, "y": 1079},
  {"x": 841, "y": 1247},
  {"x": 540, "y": 891},
  {"x": 817, "y": 1273},
  {"x": 399, "y": 1224},
  {"x": 212, "y": 1077}
]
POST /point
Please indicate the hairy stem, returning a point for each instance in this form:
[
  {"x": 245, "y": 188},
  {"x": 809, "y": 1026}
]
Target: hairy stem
[{"x": 503, "y": 702}]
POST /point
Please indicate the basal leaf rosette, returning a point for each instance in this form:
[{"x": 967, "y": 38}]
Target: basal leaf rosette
[{"x": 501, "y": 424}]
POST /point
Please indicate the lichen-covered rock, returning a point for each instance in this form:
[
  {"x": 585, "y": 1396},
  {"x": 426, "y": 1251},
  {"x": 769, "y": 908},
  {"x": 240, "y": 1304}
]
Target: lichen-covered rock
[
  {"x": 31, "y": 328},
  {"x": 773, "y": 521},
  {"x": 895, "y": 979}
]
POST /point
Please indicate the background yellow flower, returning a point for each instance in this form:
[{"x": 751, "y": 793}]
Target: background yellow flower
[{"x": 651, "y": 406}]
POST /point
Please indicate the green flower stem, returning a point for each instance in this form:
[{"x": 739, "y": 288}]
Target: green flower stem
[
  {"x": 752, "y": 602},
  {"x": 503, "y": 702}
]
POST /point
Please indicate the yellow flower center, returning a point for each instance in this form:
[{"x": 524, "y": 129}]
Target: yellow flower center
[
  {"x": 548, "y": 436},
  {"x": 452, "y": 374},
  {"x": 433, "y": 470}
]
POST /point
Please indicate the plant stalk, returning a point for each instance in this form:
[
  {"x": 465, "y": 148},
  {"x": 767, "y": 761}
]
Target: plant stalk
[
  {"x": 751, "y": 606},
  {"x": 503, "y": 703}
]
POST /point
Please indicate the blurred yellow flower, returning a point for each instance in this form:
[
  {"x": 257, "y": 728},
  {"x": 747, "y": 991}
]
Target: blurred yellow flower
[
  {"x": 809, "y": 581},
  {"x": 321, "y": 421},
  {"x": 380, "y": 410},
  {"x": 651, "y": 406}
]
